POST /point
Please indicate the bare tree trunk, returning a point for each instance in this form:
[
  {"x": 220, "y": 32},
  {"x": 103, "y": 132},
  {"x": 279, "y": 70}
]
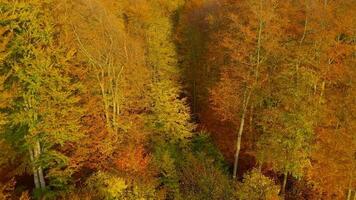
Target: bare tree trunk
[
  {"x": 322, "y": 92},
  {"x": 194, "y": 97},
  {"x": 247, "y": 98},
  {"x": 40, "y": 170},
  {"x": 259, "y": 48},
  {"x": 283, "y": 191},
  {"x": 34, "y": 170},
  {"x": 251, "y": 119},
  {"x": 260, "y": 163},
  {"x": 239, "y": 135},
  {"x": 349, "y": 194},
  {"x": 238, "y": 143}
]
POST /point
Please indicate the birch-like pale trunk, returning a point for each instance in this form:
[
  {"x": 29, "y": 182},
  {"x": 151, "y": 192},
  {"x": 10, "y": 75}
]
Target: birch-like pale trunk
[
  {"x": 40, "y": 170},
  {"x": 241, "y": 128},
  {"x": 35, "y": 150},
  {"x": 349, "y": 192},
  {"x": 238, "y": 143},
  {"x": 108, "y": 73},
  {"x": 246, "y": 100},
  {"x": 34, "y": 170},
  {"x": 283, "y": 191},
  {"x": 322, "y": 92}
]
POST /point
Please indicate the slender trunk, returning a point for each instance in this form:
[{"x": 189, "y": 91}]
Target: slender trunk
[
  {"x": 247, "y": 99},
  {"x": 238, "y": 144},
  {"x": 284, "y": 184},
  {"x": 34, "y": 154},
  {"x": 354, "y": 196},
  {"x": 34, "y": 170},
  {"x": 194, "y": 97},
  {"x": 260, "y": 167},
  {"x": 106, "y": 106},
  {"x": 110, "y": 73},
  {"x": 251, "y": 119},
  {"x": 322, "y": 92},
  {"x": 349, "y": 194},
  {"x": 260, "y": 162},
  {"x": 40, "y": 170},
  {"x": 305, "y": 29},
  {"x": 259, "y": 48},
  {"x": 239, "y": 135},
  {"x": 125, "y": 48},
  {"x": 350, "y": 185}
]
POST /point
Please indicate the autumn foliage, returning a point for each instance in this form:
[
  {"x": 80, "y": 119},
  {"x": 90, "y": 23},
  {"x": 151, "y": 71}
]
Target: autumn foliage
[{"x": 177, "y": 99}]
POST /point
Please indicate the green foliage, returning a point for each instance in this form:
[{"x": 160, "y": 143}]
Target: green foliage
[
  {"x": 106, "y": 186},
  {"x": 278, "y": 63},
  {"x": 161, "y": 54},
  {"x": 288, "y": 149},
  {"x": 203, "y": 147},
  {"x": 140, "y": 192},
  {"x": 256, "y": 186},
  {"x": 161, "y": 51},
  {"x": 44, "y": 106},
  {"x": 203, "y": 179},
  {"x": 196, "y": 170},
  {"x": 287, "y": 124},
  {"x": 170, "y": 117},
  {"x": 167, "y": 157}
]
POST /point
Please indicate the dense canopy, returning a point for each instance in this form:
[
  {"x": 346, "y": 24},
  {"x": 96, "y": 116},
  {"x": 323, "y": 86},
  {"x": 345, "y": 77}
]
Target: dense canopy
[{"x": 178, "y": 99}]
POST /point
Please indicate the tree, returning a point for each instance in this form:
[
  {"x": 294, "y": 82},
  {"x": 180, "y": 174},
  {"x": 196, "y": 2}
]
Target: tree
[
  {"x": 334, "y": 151},
  {"x": 256, "y": 186},
  {"x": 249, "y": 41},
  {"x": 169, "y": 117},
  {"x": 202, "y": 175},
  {"x": 287, "y": 121},
  {"x": 330, "y": 54},
  {"x": 106, "y": 185},
  {"x": 43, "y": 115},
  {"x": 168, "y": 113},
  {"x": 192, "y": 35}
]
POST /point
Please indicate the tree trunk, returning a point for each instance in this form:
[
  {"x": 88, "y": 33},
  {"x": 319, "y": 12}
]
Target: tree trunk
[
  {"x": 194, "y": 97},
  {"x": 284, "y": 184},
  {"x": 260, "y": 162},
  {"x": 34, "y": 170},
  {"x": 40, "y": 171},
  {"x": 349, "y": 194},
  {"x": 238, "y": 144},
  {"x": 322, "y": 92},
  {"x": 259, "y": 48},
  {"x": 239, "y": 135},
  {"x": 247, "y": 98},
  {"x": 260, "y": 167},
  {"x": 251, "y": 119}
]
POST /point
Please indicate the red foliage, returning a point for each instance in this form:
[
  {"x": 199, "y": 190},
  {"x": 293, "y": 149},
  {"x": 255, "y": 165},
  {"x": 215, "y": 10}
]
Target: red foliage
[{"x": 133, "y": 159}]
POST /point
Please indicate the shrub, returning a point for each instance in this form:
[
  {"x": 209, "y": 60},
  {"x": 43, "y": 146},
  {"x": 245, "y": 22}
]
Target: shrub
[
  {"x": 256, "y": 186},
  {"x": 106, "y": 186}
]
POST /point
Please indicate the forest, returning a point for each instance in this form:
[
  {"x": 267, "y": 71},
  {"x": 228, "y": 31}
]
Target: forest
[{"x": 177, "y": 99}]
